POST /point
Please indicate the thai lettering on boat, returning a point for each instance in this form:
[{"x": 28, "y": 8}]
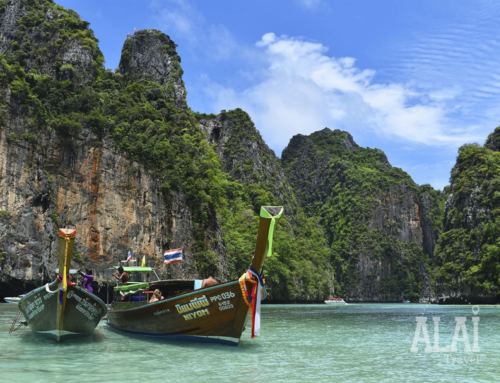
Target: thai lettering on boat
[{"x": 194, "y": 304}]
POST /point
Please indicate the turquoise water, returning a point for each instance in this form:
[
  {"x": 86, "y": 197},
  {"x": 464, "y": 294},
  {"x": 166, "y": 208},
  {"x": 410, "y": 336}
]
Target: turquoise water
[{"x": 299, "y": 343}]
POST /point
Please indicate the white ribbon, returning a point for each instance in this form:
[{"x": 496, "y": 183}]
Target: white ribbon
[
  {"x": 256, "y": 314},
  {"x": 52, "y": 292}
]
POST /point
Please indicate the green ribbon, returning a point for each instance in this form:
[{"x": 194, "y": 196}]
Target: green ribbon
[{"x": 265, "y": 214}]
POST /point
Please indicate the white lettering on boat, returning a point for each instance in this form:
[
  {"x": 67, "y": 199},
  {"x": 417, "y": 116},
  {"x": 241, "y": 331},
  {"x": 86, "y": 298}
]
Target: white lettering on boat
[
  {"x": 227, "y": 295},
  {"x": 85, "y": 307},
  {"x": 226, "y": 305},
  {"x": 196, "y": 314},
  {"x": 159, "y": 312},
  {"x": 84, "y": 311},
  {"x": 194, "y": 304},
  {"x": 35, "y": 307}
]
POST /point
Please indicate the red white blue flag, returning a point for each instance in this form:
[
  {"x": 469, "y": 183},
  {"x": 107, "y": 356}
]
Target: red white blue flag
[
  {"x": 129, "y": 257},
  {"x": 173, "y": 256}
]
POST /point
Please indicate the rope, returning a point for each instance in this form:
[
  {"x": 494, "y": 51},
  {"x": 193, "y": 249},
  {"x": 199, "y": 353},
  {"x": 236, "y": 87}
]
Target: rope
[{"x": 16, "y": 323}]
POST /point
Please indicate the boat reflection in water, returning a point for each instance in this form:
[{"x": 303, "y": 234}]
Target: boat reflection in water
[
  {"x": 62, "y": 310},
  {"x": 213, "y": 314}
]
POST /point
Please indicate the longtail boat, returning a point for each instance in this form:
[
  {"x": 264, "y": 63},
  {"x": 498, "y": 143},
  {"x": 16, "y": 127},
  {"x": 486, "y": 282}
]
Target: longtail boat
[
  {"x": 212, "y": 314},
  {"x": 62, "y": 310}
]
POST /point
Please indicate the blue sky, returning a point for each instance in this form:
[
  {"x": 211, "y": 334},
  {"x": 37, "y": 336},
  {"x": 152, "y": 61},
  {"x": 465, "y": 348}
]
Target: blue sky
[{"x": 416, "y": 79}]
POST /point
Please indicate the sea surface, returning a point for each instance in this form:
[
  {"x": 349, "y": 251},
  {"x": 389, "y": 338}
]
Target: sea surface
[{"x": 298, "y": 343}]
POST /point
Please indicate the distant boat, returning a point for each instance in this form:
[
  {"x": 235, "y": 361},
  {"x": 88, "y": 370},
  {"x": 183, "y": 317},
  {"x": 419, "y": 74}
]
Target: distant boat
[
  {"x": 332, "y": 300},
  {"x": 212, "y": 314},
  {"x": 336, "y": 301},
  {"x": 62, "y": 310},
  {"x": 13, "y": 299},
  {"x": 406, "y": 301}
]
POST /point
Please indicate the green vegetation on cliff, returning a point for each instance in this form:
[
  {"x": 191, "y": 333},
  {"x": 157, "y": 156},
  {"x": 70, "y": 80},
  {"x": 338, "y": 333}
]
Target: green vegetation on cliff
[
  {"x": 468, "y": 252},
  {"x": 299, "y": 268},
  {"x": 63, "y": 99},
  {"x": 373, "y": 214}
]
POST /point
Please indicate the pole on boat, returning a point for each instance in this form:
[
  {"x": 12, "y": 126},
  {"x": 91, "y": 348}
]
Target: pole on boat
[
  {"x": 66, "y": 242},
  {"x": 252, "y": 280},
  {"x": 268, "y": 214}
]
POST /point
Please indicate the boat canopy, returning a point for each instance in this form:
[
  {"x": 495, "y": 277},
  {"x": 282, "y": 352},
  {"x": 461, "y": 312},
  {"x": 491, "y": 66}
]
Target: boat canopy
[
  {"x": 72, "y": 271},
  {"x": 136, "y": 269},
  {"x": 135, "y": 286}
]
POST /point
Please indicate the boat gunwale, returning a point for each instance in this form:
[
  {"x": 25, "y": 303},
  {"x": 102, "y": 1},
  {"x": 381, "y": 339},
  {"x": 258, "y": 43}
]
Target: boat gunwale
[
  {"x": 41, "y": 288},
  {"x": 173, "y": 297}
]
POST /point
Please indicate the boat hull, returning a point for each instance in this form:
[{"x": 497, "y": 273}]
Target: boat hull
[
  {"x": 82, "y": 312},
  {"x": 214, "y": 314}
]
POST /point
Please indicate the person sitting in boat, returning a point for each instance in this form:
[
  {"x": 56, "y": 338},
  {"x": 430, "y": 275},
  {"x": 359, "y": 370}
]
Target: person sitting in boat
[
  {"x": 121, "y": 276},
  {"x": 87, "y": 279},
  {"x": 156, "y": 296},
  {"x": 209, "y": 281}
]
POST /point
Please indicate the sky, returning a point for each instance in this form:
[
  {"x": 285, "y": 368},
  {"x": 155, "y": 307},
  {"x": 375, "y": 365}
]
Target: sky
[{"x": 417, "y": 79}]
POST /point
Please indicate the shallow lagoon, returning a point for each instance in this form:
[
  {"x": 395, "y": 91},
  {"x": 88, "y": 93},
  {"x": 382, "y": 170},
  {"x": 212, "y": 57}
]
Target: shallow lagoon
[{"x": 299, "y": 343}]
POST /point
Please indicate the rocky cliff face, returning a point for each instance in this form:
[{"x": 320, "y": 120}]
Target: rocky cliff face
[
  {"x": 49, "y": 40},
  {"x": 300, "y": 270},
  {"x": 121, "y": 158},
  {"x": 151, "y": 55},
  {"x": 245, "y": 156},
  {"x": 468, "y": 251},
  {"x": 64, "y": 161},
  {"x": 115, "y": 204},
  {"x": 379, "y": 224}
]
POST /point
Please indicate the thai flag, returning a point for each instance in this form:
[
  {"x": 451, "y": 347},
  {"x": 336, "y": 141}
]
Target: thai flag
[
  {"x": 173, "y": 256},
  {"x": 129, "y": 257}
]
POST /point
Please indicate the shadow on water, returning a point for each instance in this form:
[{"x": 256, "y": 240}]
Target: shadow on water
[
  {"x": 243, "y": 346},
  {"x": 31, "y": 337}
]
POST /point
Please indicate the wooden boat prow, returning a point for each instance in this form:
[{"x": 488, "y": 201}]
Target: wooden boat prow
[
  {"x": 212, "y": 314},
  {"x": 60, "y": 310}
]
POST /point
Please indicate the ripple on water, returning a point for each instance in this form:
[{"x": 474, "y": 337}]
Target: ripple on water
[{"x": 299, "y": 343}]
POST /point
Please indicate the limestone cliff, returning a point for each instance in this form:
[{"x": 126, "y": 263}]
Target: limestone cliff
[
  {"x": 468, "y": 253},
  {"x": 64, "y": 161},
  {"x": 300, "y": 270},
  {"x": 151, "y": 55},
  {"x": 245, "y": 156},
  {"x": 49, "y": 40},
  {"x": 381, "y": 227},
  {"x": 120, "y": 157}
]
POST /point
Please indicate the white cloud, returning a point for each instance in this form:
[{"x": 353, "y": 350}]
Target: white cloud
[{"x": 304, "y": 90}]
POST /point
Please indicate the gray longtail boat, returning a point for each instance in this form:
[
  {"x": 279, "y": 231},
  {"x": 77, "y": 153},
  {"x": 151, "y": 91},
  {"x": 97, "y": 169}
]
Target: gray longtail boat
[{"x": 62, "y": 310}]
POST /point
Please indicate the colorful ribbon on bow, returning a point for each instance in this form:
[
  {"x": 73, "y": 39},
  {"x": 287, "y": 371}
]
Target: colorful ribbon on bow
[
  {"x": 265, "y": 214},
  {"x": 256, "y": 299}
]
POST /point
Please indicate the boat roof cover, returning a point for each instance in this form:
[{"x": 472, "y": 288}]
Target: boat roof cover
[
  {"x": 135, "y": 286},
  {"x": 136, "y": 269},
  {"x": 72, "y": 271}
]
